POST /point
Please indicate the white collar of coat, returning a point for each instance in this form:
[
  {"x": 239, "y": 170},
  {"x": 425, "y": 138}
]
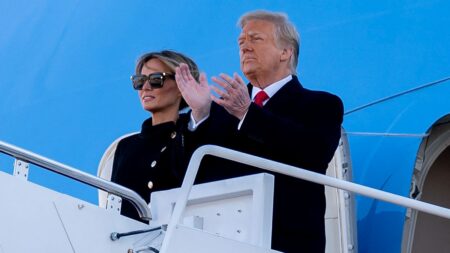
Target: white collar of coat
[{"x": 272, "y": 88}]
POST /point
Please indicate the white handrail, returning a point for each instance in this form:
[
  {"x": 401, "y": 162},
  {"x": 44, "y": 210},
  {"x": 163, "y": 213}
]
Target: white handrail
[
  {"x": 100, "y": 183},
  {"x": 292, "y": 171}
]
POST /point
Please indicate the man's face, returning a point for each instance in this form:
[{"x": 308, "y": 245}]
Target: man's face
[{"x": 259, "y": 55}]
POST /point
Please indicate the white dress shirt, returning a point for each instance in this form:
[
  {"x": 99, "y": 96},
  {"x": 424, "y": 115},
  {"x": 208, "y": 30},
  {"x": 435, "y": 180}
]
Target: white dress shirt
[{"x": 270, "y": 91}]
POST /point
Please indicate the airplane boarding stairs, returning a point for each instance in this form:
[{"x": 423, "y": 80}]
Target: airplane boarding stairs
[{"x": 231, "y": 215}]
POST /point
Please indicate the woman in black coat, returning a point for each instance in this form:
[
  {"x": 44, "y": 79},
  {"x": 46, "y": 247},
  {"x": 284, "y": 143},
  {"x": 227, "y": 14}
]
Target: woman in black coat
[{"x": 156, "y": 158}]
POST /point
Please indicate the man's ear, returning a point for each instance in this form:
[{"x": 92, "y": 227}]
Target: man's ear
[{"x": 286, "y": 54}]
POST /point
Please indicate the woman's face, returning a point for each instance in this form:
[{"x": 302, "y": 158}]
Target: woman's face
[{"x": 165, "y": 99}]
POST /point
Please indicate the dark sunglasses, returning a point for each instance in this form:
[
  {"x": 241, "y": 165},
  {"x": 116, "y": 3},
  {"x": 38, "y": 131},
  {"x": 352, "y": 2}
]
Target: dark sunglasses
[{"x": 156, "y": 80}]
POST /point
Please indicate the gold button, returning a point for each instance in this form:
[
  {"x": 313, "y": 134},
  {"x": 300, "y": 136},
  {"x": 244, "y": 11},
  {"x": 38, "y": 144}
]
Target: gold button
[
  {"x": 164, "y": 148},
  {"x": 153, "y": 164},
  {"x": 173, "y": 135},
  {"x": 150, "y": 184}
]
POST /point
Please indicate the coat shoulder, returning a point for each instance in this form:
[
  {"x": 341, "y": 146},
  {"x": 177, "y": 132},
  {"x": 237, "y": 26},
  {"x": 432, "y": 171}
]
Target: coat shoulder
[{"x": 323, "y": 97}]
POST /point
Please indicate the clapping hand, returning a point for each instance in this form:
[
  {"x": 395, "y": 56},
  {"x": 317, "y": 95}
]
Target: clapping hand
[
  {"x": 234, "y": 95},
  {"x": 196, "y": 94}
]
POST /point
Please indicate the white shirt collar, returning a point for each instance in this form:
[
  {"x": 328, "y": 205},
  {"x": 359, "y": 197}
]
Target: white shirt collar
[{"x": 272, "y": 88}]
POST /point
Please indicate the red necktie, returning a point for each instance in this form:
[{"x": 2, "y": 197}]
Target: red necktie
[{"x": 260, "y": 97}]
